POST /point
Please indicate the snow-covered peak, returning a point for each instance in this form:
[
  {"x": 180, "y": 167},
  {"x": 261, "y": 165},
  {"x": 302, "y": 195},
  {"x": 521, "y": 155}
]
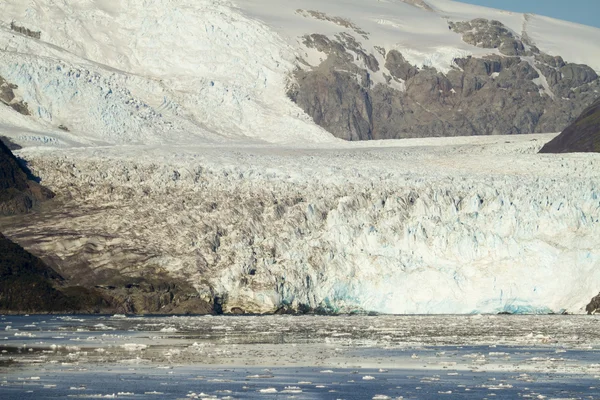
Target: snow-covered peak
[
  {"x": 125, "y": 71},
  {"x": 419, "y": 29}
]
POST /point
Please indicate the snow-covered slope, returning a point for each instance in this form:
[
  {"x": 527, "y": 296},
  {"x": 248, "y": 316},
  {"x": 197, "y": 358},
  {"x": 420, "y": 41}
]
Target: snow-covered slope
[
  {"x": 419, "y": 29},
  {"x": 130, "y": 72},
  {"x": 133, "y": 72},
  {"x": 149, "y": 119},
  {"x": 574, "y": 42}
]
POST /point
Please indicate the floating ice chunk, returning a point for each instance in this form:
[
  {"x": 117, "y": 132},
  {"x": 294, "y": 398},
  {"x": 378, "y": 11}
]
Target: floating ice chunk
[
  {"x": 292, "y": 389},
  {"x": 268, "y": 390},
  {"x": 26, "y": 334},
  {"x": 368, "y": 378},
  {"x": 134, "y": 347},
  {"x": 103, "y": 327},
  {"x": 500, "y": 386}
]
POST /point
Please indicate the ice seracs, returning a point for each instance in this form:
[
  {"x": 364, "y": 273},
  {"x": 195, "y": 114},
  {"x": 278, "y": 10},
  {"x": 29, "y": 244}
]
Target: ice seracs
[{"x": 181, "y": 155}]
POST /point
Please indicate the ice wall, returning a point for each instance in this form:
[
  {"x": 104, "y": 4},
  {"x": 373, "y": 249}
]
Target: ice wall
[{"x": 423, "y": 230}]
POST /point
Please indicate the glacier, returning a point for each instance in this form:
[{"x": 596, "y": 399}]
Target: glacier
[
  {"x": 184, "y": 156},
  {"x": 413, "y": 226}
]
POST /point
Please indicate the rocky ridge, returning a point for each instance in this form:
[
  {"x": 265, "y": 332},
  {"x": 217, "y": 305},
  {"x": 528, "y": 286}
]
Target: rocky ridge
[
  {"x": 19, "y": 192},
  {"x": 583, "y": 135},
  {"x": 518, "y": 90}
]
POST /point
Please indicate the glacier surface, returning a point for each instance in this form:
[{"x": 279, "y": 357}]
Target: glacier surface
[
  {"x": 414, "y": 226},
  {"x": 184, "y": 156}
]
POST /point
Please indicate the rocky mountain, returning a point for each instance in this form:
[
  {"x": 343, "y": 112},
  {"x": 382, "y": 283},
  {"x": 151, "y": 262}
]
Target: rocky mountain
[
  {"x": 583, "y": 135},
  {"x": 19, "y": 192},
  {"x": 374, "y": 70},
  {"x": 520, "y": 89}
]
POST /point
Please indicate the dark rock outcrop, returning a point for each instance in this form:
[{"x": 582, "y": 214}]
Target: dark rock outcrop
[
  {"x": 19, "y": 192},
  {"x": 399, "y": 68},
  {"x": 493, "y": 34},
  {"x": 582, "y": 136},
  {"x": 153, "y": 295},
  {"x": 10, "y": 144},
  {"x": 9, "y": 98},
  {"x": 25, "y": 281},
  {"x": 594, "y": 306},
  {"x": 498, "y": 94},
  {"x": 331, "y": 93},
  {"x": 28, "y": 285},
  {"x": 25, "y": 31}
]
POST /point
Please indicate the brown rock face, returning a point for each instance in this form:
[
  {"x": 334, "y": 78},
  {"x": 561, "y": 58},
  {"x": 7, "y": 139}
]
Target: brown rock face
[
  {"x": 19, "y": 192},
  {"x": 522, "y": 90},
  {"x": 582, "y": 136},
  {"x": 594, "y": 306},
  {"x": 7, "y": 96},
  {"x": 26, "y": 283}
]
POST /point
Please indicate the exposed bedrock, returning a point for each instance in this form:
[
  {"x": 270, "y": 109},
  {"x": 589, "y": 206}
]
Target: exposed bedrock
[
  {"x": 594, "y": 306},
  {"x": 481, "y": 32},
  {"x": 582, "y": 136},
  {"x": 19, "y": 192},
  {"x": 520, "y": 91}
]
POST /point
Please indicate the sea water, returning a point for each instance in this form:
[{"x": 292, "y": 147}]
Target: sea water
[{"x": 301, "y": 357}]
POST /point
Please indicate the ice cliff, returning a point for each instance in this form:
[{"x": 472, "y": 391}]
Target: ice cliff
[
  {"x": 167, "y": 131},
  {"x": 433, "y": 227}
]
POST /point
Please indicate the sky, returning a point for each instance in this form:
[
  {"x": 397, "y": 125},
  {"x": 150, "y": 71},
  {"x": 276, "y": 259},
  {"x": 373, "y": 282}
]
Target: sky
[{"x": 585, "y": 12}]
